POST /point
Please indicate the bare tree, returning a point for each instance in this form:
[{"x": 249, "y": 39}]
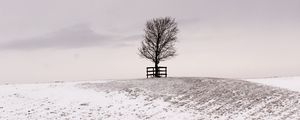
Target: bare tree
[{"x": 159, "y": 40}]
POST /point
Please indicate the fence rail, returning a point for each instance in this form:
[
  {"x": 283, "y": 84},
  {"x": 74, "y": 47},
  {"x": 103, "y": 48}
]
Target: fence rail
[{"x": 162, "y": 72}]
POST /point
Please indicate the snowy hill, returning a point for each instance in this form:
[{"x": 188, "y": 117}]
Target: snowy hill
[
  {"x": 170, "y": 98},
  {"x": 291, "y": 83}
]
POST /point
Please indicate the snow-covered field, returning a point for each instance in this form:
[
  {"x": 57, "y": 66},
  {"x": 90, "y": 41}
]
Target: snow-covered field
[
  {"x": 291, "y": 83},
  {"x": 170, "y": 98}
]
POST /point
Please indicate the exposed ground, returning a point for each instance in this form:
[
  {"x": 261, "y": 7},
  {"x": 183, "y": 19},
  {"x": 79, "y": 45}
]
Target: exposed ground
[{"x": 171, "y": 98}]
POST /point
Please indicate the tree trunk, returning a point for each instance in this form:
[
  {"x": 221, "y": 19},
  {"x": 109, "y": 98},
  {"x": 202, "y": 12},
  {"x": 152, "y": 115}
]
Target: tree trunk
[{"x": 156, "y": 70}]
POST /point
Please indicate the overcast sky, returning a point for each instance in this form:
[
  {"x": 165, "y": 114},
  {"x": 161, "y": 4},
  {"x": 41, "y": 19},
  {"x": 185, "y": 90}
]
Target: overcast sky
[{"x": 49, "y": 40}]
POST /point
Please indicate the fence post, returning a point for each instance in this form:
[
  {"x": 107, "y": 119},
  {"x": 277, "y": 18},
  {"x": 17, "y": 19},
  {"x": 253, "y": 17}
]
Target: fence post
[
  {"x": 166, "y": 72},
  {"x": 162, "y": 71}
]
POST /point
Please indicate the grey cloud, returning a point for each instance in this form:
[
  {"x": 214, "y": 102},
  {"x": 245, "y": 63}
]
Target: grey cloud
[
  {"x": 135, "y": 37},
  {"x": 72, "y": 37},
  {"x": 129, "y": 41}
]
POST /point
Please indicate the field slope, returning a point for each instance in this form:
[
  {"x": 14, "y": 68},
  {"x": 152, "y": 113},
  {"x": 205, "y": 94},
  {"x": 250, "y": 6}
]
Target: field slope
[{"x": 166, "y": 98}]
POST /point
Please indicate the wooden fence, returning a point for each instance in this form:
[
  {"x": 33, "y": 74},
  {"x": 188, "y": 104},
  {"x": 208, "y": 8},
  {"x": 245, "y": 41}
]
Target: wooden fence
[{"x": 162, "y": 72}]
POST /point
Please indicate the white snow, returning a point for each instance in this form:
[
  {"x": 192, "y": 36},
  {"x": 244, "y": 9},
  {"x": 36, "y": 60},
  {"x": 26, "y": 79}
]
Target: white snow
[
  {"x": 153, "y": 99},
  {"x": 68, "y": 101},
  {"x": 291, "y": 83}
]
